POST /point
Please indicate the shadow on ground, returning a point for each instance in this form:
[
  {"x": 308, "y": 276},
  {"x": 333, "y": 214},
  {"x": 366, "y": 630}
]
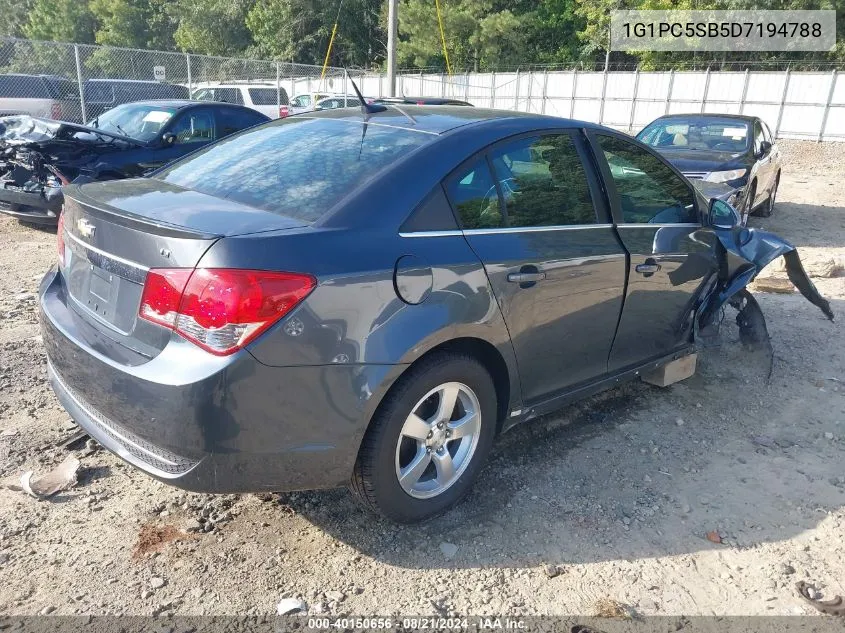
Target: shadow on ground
[{"x": 645, "y": 472}]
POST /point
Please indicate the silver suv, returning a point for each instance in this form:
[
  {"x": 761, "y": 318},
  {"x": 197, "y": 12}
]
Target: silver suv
[{"x": 45, "y": 96}]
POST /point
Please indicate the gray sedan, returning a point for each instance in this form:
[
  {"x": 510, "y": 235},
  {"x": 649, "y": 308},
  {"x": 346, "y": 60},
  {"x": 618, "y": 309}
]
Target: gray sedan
[{"x": 370, "y": 297}]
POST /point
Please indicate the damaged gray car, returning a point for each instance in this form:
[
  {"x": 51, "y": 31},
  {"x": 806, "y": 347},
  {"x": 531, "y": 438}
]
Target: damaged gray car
[
  {"x": 39, "y": 156},
  {"x": 368, "y": 298}
]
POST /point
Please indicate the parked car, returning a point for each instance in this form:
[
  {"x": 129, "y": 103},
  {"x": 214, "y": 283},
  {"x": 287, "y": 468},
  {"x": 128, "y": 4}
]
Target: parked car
[
  {"x": 423, "y": 101},
  {"x": 44, "y": 96},
  {"x": 339, "y": 101},
  {"x": 104, "y": 94},
  {"x": 739, "y": 151},
  {"x": 39, "y": 157},
  {"x": 264, "y": 98},
  {"x": 337, "y": 298},
  {"x": 307, "y": 102}
]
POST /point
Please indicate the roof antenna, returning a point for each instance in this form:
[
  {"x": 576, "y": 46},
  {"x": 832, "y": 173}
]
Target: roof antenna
[{"x": 366, "y": 108}]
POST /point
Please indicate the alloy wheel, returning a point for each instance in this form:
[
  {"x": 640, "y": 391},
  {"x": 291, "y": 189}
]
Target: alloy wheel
[{"x": 438, "y": 440}]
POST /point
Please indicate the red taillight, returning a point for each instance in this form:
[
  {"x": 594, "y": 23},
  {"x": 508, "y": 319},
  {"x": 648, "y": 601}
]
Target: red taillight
[
  {"x": 163, "y": 290},
  {"x": 221, "y": 310},
  {"x": 56, "y": 111},
  {"x": 60, "y": 239},
  {"x": 283, "y": 111}
]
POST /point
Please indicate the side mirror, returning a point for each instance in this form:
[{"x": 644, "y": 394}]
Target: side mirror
[
  {"x": 722, "y": 215},
  {"x": 765, "y": 148},
  {"x": 168, "y": 138}
]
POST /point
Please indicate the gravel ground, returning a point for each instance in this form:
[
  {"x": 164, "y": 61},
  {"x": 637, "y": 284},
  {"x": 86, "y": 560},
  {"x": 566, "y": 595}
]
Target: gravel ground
[{"x": 608, "y": 503}]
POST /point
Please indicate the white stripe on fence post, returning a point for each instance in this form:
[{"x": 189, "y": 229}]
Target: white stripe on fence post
[
  {"x": 493, "y": 90},
  {"x": 634, "y": 99},
  {"x": 603, "y": 92},
  {"x": 516, "y": 91},
  {"x": 706, "y": 89},
  {"x": 744, "y": 93},
  {"x": 530, "y": 86},
  {"x": 827, "y": 105},
  {"x": 782, "y": 102},
  {"x": 545, "y": 90},
  {"x": 669, "y": 91},
  {"x": 279, "y": 88},
  {"x": 574, "y": 90},
  {"x": 190, "y": 80},
  {"x": 79, "y": 82}
]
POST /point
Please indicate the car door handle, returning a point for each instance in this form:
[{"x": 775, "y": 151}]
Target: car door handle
[
  {"x": 526, "y": 278},
  {"x": 648, "y": 269}
]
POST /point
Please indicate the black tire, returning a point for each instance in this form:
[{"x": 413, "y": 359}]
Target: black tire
[{"x": 374, "y": 482}]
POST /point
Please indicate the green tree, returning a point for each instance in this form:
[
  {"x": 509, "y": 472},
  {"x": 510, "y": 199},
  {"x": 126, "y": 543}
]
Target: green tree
[
  {"x": 289, "y": 29},
  {"x": 211, "y": 27},
  {"x": 60, "y": 21},
  {"x": 300, "y": 30},
  {"x": 15, "y": 16},
  {"x": 133, "y": 23},
  {"x": 479, "y": 34},
  {"x": 553, "y": 37}
]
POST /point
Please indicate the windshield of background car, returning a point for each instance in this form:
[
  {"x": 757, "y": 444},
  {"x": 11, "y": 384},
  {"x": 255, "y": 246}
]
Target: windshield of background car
[
  {"x": 299, "y": 168},
  {"x": 718, "y": 135},
  {"x": 135, "y": 120}
]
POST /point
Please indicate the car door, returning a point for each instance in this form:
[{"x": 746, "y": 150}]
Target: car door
[
  {"x": 535, "y": 216},
  {"x": 765, "y": 160},
  {"x": 672, "y": 257}
]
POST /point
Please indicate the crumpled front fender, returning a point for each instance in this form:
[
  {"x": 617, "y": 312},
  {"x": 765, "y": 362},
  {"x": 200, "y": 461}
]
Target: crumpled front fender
[{"x": 744, "y": 253}]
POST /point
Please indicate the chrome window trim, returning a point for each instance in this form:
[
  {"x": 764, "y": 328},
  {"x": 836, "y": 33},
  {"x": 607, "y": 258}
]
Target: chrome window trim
[
  {"x": 539, "y": 229},
  {"x": 451, "y": 233},
  {"x": 505, "y": 230},
  {"x": 641, "y": 225}
]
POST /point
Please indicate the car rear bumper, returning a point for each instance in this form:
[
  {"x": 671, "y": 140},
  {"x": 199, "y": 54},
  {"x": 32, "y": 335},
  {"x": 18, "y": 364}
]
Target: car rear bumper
[{"x": 205, "y": 423}]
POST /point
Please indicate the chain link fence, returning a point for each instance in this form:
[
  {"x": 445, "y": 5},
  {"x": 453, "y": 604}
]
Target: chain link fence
[{"x": 77, "y": 82}]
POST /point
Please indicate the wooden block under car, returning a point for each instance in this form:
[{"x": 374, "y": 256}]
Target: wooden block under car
[{"x": 672, "y": 372}]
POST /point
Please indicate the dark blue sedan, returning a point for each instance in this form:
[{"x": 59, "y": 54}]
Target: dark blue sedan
[
  {"x": 39, "y": 156},
  {"x": 734, "y": 151}
]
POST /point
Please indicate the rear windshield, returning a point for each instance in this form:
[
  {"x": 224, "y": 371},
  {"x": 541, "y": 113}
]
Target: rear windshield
[
  {"x": 268, "y": 96},
  {"x": 226, "y": 95},
  {"x": 296, "y": 167},
  {"x": 23, "y": 87}
]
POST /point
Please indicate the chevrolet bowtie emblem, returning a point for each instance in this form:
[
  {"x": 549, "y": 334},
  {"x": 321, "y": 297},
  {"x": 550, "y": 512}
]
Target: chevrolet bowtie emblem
[{"x": 86, "y": 229}]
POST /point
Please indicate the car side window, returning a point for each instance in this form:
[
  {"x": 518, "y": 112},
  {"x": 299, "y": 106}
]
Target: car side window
[
  {"x": 194, "y": 126},
  {"x": 758, "y": 137},
  {"x": 648, "y": 190},
  {"x": 474, "y": 198},
  {"x": 767, "y": 133},
  {"x": 301, "y": 101},
  {"x": 543, "y": 182}
]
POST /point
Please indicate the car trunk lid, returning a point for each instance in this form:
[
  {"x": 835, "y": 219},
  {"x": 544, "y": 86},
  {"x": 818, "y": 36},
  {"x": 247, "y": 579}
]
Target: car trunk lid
[{"x": 115, "y": 232}]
